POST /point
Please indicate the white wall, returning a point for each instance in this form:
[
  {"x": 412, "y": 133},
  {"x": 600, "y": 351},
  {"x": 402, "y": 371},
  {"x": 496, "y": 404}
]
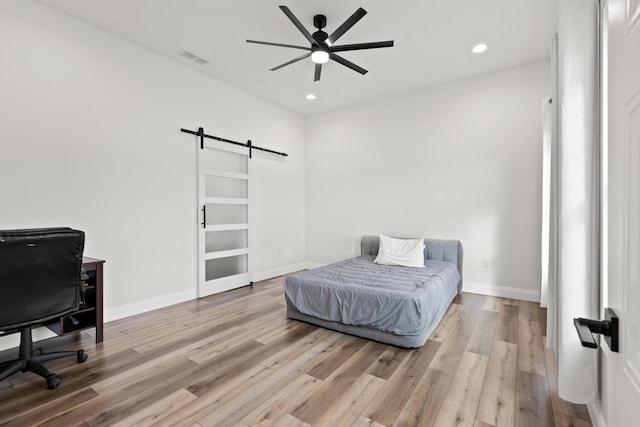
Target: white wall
[
  {"x": 90, "y": 139},
  {"x": 460, "y": 161}
]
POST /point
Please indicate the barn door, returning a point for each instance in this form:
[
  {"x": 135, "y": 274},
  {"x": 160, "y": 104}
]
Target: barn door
[{"x": 224, "y": 256}]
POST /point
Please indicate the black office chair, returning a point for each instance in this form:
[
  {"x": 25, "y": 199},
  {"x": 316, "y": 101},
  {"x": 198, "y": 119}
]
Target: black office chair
[{"x": 40, "y": 280}]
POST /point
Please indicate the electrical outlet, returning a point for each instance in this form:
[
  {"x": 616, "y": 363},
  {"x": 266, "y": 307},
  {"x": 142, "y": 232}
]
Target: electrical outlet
[{"x": 485, "y": 262}]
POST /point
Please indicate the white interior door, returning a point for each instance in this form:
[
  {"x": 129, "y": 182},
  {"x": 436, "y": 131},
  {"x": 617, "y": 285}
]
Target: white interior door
[
  {"x": 224, "y": 228},
  {"x": 621, "y": 371}
]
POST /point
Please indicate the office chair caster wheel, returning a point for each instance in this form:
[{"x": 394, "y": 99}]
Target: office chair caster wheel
[
  {"x": 52, "y": 381},
  {"x": 81, "y": 356}
]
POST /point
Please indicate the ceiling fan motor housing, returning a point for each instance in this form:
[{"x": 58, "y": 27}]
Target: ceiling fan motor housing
[{"x": 319, "y": 21}]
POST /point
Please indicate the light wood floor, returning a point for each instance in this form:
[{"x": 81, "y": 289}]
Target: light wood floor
[{"x": 234, "y": 359}]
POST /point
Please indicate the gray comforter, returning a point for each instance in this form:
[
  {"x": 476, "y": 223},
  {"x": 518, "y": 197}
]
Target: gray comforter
[{"x": 404, "y": 301}]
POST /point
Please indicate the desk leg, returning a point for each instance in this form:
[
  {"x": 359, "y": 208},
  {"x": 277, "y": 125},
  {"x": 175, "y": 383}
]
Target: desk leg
[{"x": 99, "y": 303}]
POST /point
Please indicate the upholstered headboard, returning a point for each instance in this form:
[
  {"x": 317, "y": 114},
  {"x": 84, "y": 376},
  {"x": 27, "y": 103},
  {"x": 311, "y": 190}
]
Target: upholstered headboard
[{"x": 435, "y": 249}]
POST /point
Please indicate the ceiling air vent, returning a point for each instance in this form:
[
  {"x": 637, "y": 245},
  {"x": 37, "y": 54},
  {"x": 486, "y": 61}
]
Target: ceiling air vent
[{"x": 193, "y": 57}]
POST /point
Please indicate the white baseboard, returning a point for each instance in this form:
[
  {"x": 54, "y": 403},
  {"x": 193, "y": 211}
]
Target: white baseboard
[
  {"x": 131, "y": 309},
  {"x": 501, "y": 291},
  {"x": 279, "y": 271}
]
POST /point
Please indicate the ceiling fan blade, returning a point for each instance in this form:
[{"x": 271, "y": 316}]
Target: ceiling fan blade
[
  {"x": 279, "y": 44},
  {"x": 359, "y": 46},
  {"x": 350, "y": 22},
  {"x": 306, "y": 55},
  {"x": 316, "y": 77},
  {"x": 347, "y": 64},
  {"x": 297, "y": 23}
]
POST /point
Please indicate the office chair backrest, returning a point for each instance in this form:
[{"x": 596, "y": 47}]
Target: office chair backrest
[{"x": 39, "y": 275}]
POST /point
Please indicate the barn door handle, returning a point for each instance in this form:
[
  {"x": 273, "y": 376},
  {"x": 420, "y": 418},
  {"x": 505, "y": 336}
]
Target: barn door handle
[
  {"x": 204, "y": 216},
  {"x": 607, "y": 327}
]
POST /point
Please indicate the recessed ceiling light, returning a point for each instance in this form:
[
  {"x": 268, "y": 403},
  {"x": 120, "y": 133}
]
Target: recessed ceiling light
[
  {"x": 311, "y": 97},
  {"x": 479, "y": 48}
]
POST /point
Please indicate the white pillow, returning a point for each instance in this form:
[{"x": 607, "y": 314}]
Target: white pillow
[{"x": 404, "y": 252}]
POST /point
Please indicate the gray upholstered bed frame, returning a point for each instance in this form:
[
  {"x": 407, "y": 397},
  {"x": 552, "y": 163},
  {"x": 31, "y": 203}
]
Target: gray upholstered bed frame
[{"x": 435, "y": 249}]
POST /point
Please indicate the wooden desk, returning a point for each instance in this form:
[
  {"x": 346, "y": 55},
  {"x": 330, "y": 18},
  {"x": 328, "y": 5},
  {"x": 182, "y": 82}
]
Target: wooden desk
[{"x": 90, "y": 315}]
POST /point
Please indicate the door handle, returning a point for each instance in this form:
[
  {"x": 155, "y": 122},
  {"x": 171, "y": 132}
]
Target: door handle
[
  {"x": 608, "y": 327},
  {"x": 204, "y": 216}
]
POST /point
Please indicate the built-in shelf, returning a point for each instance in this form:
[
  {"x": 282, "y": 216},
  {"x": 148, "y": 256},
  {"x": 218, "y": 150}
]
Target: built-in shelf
[{"x": 90, "y": 313}]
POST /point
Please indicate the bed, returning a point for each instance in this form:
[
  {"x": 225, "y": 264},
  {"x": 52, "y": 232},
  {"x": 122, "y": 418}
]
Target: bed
[{"x": 391, "y": 304}]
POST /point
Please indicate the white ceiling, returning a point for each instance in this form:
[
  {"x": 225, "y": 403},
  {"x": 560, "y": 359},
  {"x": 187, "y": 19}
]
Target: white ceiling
[{"x": 433, "y": 41}]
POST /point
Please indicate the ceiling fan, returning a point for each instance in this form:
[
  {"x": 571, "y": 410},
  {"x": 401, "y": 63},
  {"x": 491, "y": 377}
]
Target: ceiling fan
[{"x": 322, "y": 45}]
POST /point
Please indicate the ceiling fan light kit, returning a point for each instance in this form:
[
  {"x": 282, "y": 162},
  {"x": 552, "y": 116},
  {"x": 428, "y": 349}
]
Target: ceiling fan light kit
[
  {"x": 319, "y": 55},
  {"x": 322, "y": 44}
]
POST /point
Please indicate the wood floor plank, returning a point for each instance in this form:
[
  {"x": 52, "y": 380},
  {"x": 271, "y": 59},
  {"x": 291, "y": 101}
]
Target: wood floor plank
[
  {"x": 312, "y": 348},
  {"x": 492, "y": 304},
  {"x": 154, "y": 413},
  {"x": 498, "y": 397},
  {"x": 220, "y": 343},
  {"x": 448, "y": 357},
  {"x": 365, "y": 422},
  {"x": 470, "y": 300},
  {"x": 388, "y": 403},
  {"x": 542, "y": 318},
  {"x": 77, "y": 376},
  {"x": 528, "y": 311},
  {"x": 138, "y": 397},
  {"x": 531, "y": 357},
  {"x": 461, "y": 402},
  {"x": 267, "y": 336},
  {"x": 224, "y": 392},
  {"x": 424, "y": 403},
  {"x": 230, "y": 411},
  {"x": 289, "y": 420},
  {"x": 117, "y": 402},
  {"x": 34, "y": 413},
  {"x": 232, "y": 363},
  {"x": 336, "y": 358},
  {"x": 347, "y": 410},
  {"x": 276, "y": 406},
  {"x": 235, "y": 359},
  {"x": 143, "y": 372},
  {"x": 533, "y": 404},
  {"x": 564, "y": 420},
  {"x": 448, "y": 323},
  {"x": 388, "y": 362},
  {"x": 481, "y": 339},
  {"x": 507, "y": 329},
  {"x": 336, "y": 386}
]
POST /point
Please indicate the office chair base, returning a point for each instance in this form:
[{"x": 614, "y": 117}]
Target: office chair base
[
  {"x": 30, "y": 362},
  {"x": 52, "y": 381},
  {"x": 81, "y": 356}
]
